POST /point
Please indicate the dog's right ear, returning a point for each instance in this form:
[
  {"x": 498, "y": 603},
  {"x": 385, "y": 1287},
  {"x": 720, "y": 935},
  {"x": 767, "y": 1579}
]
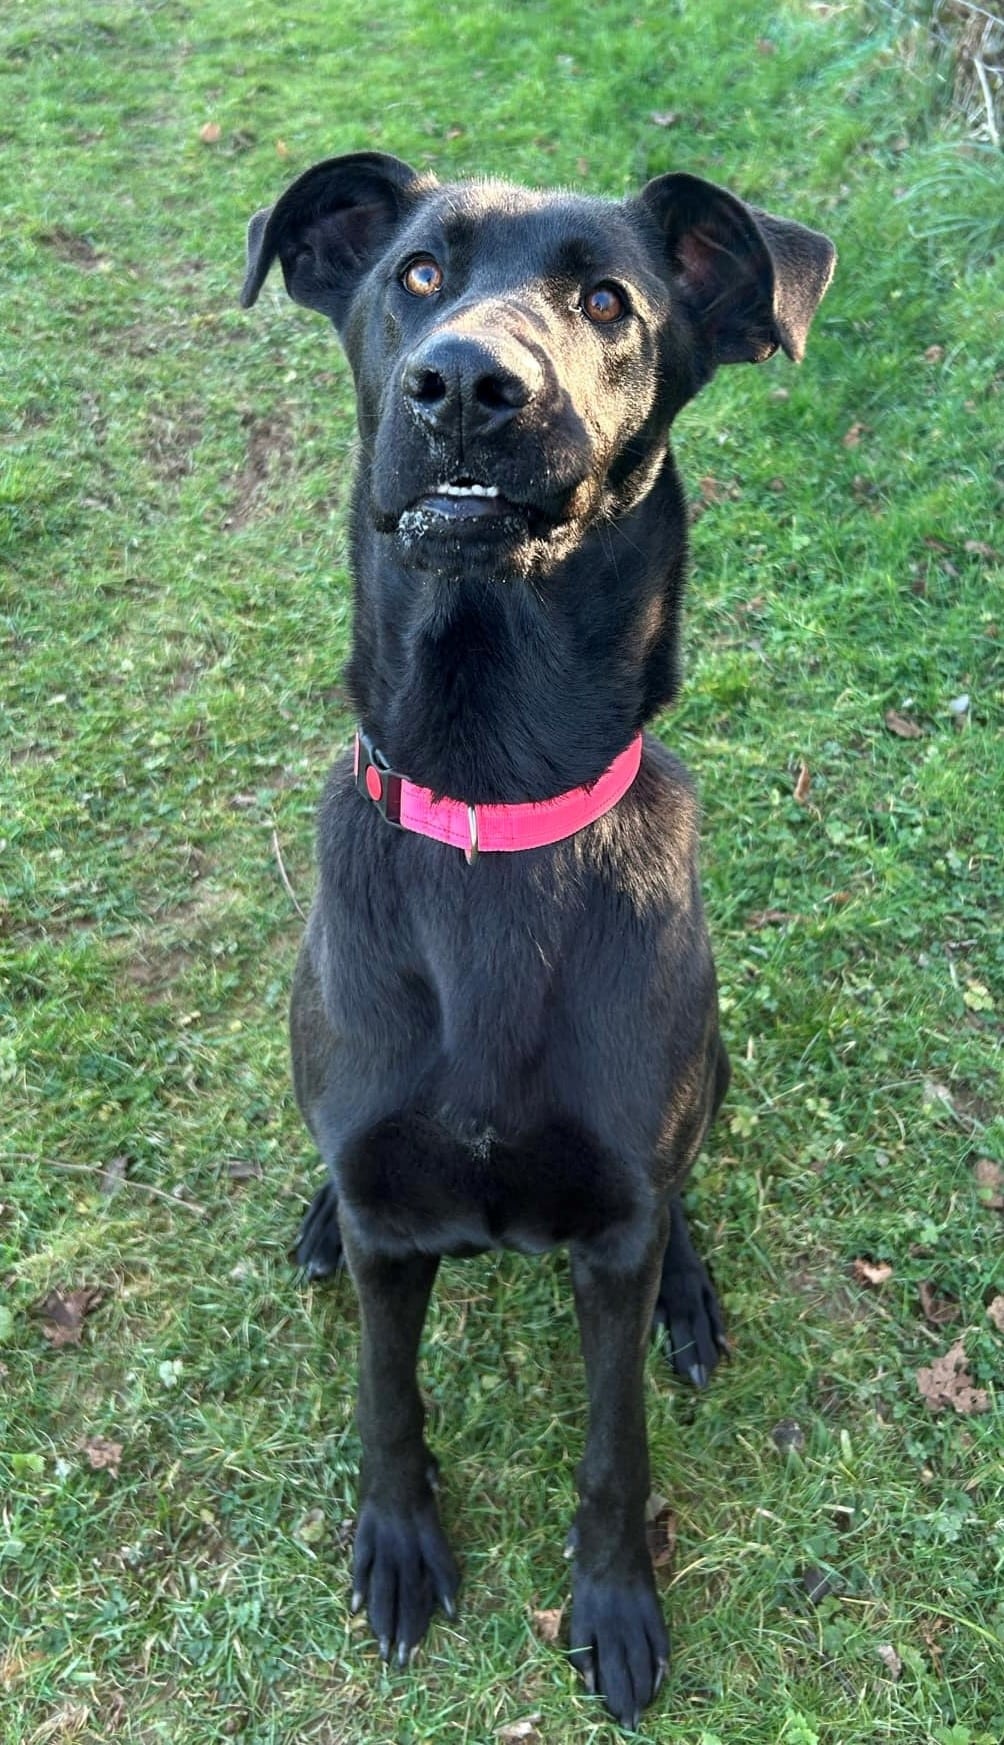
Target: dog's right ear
[{"x": 328, "y": 228}]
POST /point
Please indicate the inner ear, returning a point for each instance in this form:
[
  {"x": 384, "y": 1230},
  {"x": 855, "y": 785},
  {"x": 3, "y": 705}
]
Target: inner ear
[
  {"x": 719, "y": 266},
  {"x": 322, "y": 258},
  {"x": 329, "y": 227}
]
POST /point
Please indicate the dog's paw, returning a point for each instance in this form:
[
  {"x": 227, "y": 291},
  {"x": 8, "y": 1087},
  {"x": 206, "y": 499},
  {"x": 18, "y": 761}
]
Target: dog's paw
[
  {"x": 687, "y": 1307},
  {"x": 318, "y": 1248},
  {"x": 402, "y": 1569},
  {"x": 619, "y": 1643}
]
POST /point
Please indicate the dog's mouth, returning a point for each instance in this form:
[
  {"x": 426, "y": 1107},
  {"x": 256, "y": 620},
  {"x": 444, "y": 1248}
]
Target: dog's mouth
[{"x": 467, "y": 499}]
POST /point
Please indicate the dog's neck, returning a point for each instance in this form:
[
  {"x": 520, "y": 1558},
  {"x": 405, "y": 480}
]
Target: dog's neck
[{"x": 510, "y": 689}]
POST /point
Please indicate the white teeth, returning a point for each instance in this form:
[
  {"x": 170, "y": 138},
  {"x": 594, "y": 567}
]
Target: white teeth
[{"x": 465, "y": 491}]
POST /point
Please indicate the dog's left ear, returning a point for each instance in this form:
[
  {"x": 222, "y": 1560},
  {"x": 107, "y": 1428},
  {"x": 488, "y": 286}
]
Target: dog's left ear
[
  {"x": 329, "y": 227},
  {"x": 748, "y": 282}
]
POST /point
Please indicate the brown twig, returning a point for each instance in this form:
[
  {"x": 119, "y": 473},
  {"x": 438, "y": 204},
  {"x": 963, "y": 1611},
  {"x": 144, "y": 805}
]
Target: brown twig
[
  {"x": 277, "y": 851},
  {"x": 93, "y": 1168},
  {"x": 988, "y": 100}
]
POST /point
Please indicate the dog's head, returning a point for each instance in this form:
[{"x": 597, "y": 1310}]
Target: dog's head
[{"x": 519, "y": 356}]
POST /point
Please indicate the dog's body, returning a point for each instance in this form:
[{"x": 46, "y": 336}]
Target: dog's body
[{"x": 519, "y": 1049}]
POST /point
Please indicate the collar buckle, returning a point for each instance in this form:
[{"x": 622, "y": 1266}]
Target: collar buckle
[
  {"x": 376, "y": 781},
  {"x": 471, "y": 853}
]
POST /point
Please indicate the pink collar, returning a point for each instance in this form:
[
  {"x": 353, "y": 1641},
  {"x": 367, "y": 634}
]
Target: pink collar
[{"x": 490, "y": 829}]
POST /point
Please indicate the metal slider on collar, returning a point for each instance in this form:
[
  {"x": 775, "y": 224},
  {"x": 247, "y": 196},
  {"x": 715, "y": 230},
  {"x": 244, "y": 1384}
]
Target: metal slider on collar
[{"x": 471, "y": 853}]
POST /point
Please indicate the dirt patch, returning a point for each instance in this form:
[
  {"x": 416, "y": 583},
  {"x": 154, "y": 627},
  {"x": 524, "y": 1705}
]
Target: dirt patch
[
  {"x": 267, "y": 444},
  {"x": 170, "y": 441},
  {"x": 162, "y": 952},
  {"x": 71, "y": 246},
  {"x": 826, "y": 1291}
]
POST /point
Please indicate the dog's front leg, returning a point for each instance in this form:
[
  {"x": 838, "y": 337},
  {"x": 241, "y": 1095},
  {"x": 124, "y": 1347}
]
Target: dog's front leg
[
  {"x": 618, "y": 1637},
  {"x": 402, "y": 1564}
]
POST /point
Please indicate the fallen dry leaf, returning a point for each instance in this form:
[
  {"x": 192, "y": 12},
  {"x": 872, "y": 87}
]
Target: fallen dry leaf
[
  {"x": 788, "y": 1436},
  {"x": 113, "y": 1175},
  {"x": 102, "y": 1455},
  {"x": 660, "y": 1531},
  {"x": 887, "y": 1653},
  {"x": 817, "y": 1584},
  {"x": 870, "y": 1272},
  {"x": 62, "y": 1314},
  {"x": 949, "y": 1383},
  {"x": 980, "y": 548},
  {"x": 547, "y": 1623},
  {"x": 933, "y": 355},
  {"x": 995, "y": 1310},
  {"x": 664, "y": 117},
  {"x": 770, "y": 918},
  {"x": 65, "y": 1723},
  {"x": 241, "y": 1169},
  {"x": 938, "y": 1310},
  {"x": 517, "y": 1731},
  {"x": 210, "y": 133},
  {"x": 931, "y": 1630},
  {"x": 990, "y": 1183},
  {"x": 854, "y": 435},
  {"x": 282, "y": 149},
  {"x": 312, "y": 1527},
  {"x": 803, "y": 782},
  {"x": 902, "y": 725}
]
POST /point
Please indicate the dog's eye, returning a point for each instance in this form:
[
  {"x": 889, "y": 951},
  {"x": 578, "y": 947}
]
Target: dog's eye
[
  {"x": 604, "y": 303},
  {"x": 423, "y": 277}
]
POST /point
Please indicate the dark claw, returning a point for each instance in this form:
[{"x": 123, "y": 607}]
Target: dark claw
[
  {"x": 318, "y": 1250},
  {"x": 687, "y": 1306},
  {"x": 385, "y": 1648}
]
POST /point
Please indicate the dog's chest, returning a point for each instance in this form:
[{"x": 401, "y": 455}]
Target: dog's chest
[
  {"x": 497, "y": 1134},
  {"x": 498, "y": 983}
]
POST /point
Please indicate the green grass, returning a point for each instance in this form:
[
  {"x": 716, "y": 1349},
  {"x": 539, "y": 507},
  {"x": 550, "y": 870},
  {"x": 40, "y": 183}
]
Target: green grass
[{"x": 175, "y": 618}]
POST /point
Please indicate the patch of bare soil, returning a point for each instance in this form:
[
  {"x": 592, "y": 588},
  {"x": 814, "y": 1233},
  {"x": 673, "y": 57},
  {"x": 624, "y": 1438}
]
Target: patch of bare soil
[
  {"x": 71, "y": 246},
  {"x": 170, "y": 440},
  {"x": 267, "y": 443}
]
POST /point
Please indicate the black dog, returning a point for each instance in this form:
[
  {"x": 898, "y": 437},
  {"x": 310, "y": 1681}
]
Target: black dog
[{"x": 499, "y": 1044}]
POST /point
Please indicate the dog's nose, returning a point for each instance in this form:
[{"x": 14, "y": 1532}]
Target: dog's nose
[{"x": 452, "y": 380}]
